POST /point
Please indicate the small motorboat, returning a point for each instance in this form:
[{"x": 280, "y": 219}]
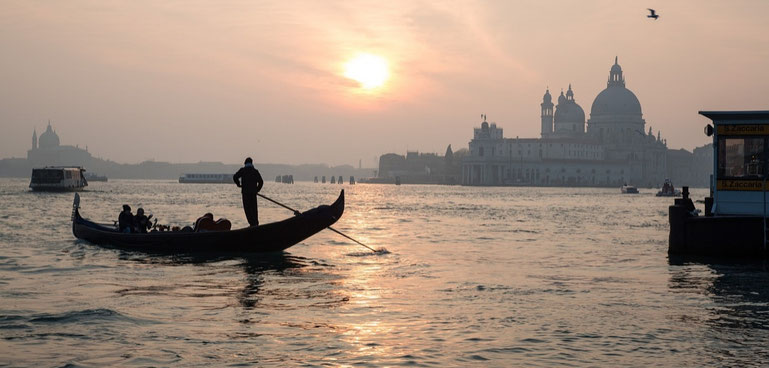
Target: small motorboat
[
  {"x": 272, "y": 237},
  {"x": 628, "y": 189},
  {"x": 668, "y": 190}
]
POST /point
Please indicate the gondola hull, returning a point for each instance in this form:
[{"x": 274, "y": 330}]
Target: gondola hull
[{"x": 272, "y": 237}]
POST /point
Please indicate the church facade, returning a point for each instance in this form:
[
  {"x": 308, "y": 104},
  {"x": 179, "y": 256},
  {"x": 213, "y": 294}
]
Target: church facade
[{"x": 611, "y": 148}]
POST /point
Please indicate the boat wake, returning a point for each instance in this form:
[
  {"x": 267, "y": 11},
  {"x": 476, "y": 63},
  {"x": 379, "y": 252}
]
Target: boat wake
[{"x": 378, "y": 252}]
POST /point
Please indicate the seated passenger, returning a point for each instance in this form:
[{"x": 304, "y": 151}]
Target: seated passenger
[
  {"x": 207, "y": 223},
  {"x": 142, "y": 222},
  {"x": 222, "y": 224},
  {"x": 125, "y": 220},
  {"x": 204, "y": 222}
]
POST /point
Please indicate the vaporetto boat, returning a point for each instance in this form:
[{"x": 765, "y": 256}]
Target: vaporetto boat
[
  {"x": 207, "y": 178},
  {"x": 58, "y": 178}
]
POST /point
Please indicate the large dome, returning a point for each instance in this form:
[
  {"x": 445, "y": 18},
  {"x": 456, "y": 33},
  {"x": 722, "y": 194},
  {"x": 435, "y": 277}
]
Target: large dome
[
  {"x": 616, "y": 100},
  {"x": 49, "y": 138}
]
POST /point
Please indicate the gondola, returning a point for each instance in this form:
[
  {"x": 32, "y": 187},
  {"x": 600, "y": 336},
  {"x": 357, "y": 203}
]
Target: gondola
[{"x": 272, "y": 237}]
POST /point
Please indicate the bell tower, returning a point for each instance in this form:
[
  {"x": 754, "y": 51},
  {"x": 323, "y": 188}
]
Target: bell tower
[{"x": 547, "y": 114}]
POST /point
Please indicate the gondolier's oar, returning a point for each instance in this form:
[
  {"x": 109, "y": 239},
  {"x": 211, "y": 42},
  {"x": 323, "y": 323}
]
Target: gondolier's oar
[
  {"x": 345, "y": 235},
  {"x": 329, "y": 227},
  {"x": 297, "y": 213}
]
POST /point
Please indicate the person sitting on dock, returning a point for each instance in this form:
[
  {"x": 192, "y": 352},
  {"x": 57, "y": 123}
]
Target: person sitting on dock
[
  {"x": 125, "y": 220},
  {"x": 250, "y": 182},
  {"x": 142, "y": 222}
]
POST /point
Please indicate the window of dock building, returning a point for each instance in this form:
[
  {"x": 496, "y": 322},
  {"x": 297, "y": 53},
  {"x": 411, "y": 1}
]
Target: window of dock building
[{"x": 741, "y": 157}]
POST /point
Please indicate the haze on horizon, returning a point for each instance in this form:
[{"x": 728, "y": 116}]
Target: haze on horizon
[{"x": 185, "y": 81}]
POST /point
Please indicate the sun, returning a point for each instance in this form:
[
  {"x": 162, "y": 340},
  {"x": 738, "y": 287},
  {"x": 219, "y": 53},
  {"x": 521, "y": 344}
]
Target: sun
[{"x": 371, "y": 71}]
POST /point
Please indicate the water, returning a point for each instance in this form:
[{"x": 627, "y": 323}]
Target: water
[{"x": 472, "y": 277}]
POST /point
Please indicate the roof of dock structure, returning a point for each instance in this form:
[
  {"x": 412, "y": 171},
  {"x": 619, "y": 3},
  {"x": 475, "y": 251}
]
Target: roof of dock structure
[{"x": 736, "y": 115}]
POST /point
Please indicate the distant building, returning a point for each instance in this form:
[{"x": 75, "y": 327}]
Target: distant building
[
  {"x": 419, "y": 168},
  {"x": 702, "y": 166},
  {"x": 46, "y": 151},
  {"x": 612, "y": 148}
]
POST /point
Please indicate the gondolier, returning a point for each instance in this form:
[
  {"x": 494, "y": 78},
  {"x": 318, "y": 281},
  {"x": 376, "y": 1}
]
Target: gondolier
[{"x": 250, "y": 182}]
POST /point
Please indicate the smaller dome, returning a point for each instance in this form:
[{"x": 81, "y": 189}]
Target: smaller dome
[
  {"x": 568, "y": 113},
  {"x": 547, "y": 98}
]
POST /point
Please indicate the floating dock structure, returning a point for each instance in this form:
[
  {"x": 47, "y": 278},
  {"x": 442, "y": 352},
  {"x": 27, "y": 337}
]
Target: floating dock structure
[{"x": 735, "y": 219}]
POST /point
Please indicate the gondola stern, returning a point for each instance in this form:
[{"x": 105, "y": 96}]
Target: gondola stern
[
  {"x": 75, "y": 207},
  {"x": 76, "y": 218},
  {"x": 338, "y": 206},
  {"x": 340, "y": 200}
]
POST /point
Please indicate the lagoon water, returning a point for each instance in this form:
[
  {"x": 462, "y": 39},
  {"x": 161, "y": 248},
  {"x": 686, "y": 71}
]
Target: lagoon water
[{"x": 473, "y": 277}]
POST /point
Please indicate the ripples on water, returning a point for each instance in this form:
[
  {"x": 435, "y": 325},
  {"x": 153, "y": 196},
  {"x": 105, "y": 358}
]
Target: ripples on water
[{"x": 472, "y": 277}]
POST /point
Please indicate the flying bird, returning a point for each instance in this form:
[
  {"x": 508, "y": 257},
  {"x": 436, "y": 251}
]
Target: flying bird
[{"x": 652, "y": 14}]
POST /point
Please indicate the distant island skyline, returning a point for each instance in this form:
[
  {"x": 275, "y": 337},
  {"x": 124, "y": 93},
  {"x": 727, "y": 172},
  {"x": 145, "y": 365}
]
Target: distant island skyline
[
  {"x": 47, "y": 150},
  {"x": 49, "y": 138}
]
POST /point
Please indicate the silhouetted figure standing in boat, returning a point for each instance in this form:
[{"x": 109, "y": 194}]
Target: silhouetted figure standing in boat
[
  {"x": 125, "y": 222},
  {"x": 250, "y": 182}
]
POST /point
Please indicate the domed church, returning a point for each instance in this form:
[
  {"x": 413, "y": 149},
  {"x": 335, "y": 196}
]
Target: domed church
[
  {"x": 47, "y": 151},
  {"x": 611, "y": 148}
]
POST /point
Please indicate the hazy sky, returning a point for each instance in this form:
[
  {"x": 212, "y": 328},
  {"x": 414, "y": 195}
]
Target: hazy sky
[{"x": 185, "y": 81}]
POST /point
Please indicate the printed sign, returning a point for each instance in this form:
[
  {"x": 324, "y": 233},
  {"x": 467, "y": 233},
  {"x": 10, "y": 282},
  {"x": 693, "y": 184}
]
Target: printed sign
[
  {"x": 743, "y": 129},
  {"x": 747, "y": 185}
]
